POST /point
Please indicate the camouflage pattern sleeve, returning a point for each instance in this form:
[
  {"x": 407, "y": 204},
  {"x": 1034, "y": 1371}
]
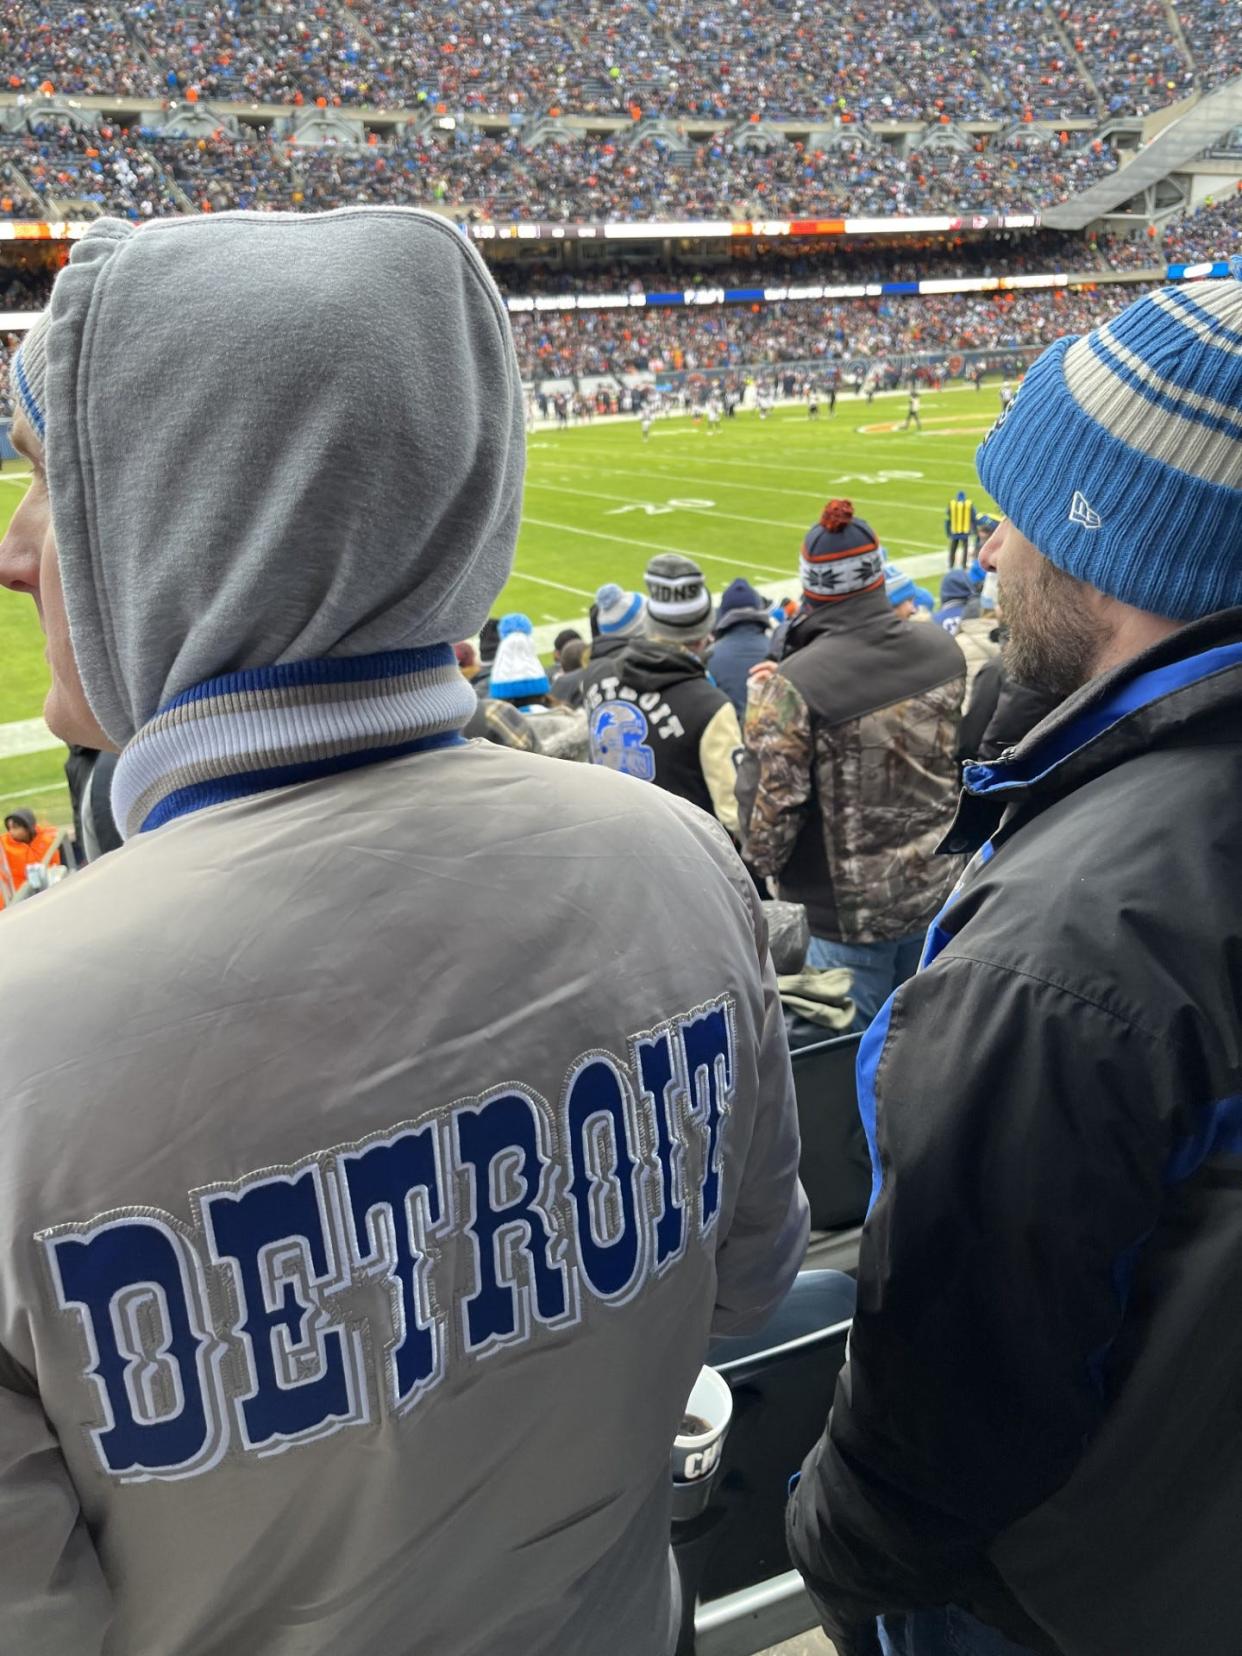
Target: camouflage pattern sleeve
[{"x": 775, "y": 781}]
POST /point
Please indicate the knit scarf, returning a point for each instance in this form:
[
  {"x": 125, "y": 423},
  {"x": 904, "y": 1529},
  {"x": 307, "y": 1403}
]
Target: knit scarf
[{"x": 270, "y": 727}]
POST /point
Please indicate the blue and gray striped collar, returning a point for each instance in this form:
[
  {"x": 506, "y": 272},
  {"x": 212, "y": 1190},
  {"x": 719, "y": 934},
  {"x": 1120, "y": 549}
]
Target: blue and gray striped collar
[{"x": 270, "y": 727}]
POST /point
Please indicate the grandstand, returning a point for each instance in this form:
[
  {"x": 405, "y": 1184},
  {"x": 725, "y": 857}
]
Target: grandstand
[{"x": 768, "y": 186}]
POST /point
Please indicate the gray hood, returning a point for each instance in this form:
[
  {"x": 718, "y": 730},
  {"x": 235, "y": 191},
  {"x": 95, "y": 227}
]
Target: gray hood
[{"x": 274, "y": 437}]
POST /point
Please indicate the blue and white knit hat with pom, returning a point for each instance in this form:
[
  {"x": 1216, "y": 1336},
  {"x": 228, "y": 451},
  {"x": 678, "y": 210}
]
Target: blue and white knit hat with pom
[
  {"x": 517, "y": 672},
  {"x": 619, "y": 614},
  {"x": 1121, "y": 456}
]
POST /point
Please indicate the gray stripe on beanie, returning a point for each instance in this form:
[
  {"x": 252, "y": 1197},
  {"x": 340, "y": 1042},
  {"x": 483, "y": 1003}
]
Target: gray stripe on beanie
[{"x": 1121, "y": 456}]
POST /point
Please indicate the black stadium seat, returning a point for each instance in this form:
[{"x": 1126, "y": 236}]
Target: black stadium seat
[
  {"x": 742, "y": 1593},
  {"x": 835, "y": 1165}
]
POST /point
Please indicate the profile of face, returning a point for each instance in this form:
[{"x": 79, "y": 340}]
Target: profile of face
[
  {"x": 905, "y": 609},
  {"x": 29, "y": 564},
  {"x": 19, "y": 830},
  {"x": 1056, "y": 636}
]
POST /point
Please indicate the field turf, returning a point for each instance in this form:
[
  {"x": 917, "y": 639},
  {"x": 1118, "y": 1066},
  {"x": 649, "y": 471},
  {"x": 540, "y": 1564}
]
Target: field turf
[{"x": 600, "y": 501}]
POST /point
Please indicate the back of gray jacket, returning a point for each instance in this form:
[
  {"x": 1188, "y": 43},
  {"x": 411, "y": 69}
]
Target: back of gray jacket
[{"x": 365, "y": 1208}]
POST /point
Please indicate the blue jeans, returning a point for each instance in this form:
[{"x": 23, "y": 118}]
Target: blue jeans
[
  {"x": 945, "y": 1632},
  {"x": 878, "y": 968}
]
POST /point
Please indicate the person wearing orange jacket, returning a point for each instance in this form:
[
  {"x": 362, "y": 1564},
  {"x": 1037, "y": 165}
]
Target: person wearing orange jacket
[{"x": 25, "y": 842}]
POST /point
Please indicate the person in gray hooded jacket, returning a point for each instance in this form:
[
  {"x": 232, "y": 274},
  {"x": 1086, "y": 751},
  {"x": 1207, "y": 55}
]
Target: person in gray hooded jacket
[{"x": 343, "y": 1308}]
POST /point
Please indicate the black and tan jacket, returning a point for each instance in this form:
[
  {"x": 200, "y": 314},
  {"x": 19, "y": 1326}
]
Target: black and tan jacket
[
  {"x": 655, "y": 714},
  {"x": 849, "y": 779}
]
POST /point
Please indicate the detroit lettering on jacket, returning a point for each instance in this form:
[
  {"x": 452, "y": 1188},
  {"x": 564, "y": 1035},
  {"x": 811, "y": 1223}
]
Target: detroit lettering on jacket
[{"x": 306, "y": 1300}]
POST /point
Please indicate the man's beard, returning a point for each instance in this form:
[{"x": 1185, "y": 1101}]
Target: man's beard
[{"x": 1054, "y": 641}]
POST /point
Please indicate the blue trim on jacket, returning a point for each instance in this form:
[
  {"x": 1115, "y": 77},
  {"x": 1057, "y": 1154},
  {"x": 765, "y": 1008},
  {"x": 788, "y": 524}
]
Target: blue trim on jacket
[
  {"x": 225, "y": 788},
  {"x": 1129, "y": 698},
  {"x": 363, "y": 669}
]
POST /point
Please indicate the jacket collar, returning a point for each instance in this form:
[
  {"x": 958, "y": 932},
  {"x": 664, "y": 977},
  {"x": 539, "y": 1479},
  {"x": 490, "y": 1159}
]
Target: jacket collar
[
  {"x": 864, "y": 609},
  {"x": 1193, "y": 674},
  {"x": 270, "y": 727},
  {"x": 740, "y": 618}
]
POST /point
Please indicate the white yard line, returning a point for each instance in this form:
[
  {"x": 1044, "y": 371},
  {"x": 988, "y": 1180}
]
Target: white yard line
[
  {"x": 655, "y": 546},
  {"x": 26, "y": 736},
  {"x": 756, "y": 487},
  {"x": 724, "y": 483}
]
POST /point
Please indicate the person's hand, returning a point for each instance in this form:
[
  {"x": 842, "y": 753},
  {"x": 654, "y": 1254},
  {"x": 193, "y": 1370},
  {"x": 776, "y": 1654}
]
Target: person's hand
[{"x": 759, "y": 674}]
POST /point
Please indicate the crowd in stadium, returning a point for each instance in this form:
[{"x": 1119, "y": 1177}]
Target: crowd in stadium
[
  {"x": 906, "y": 59},
  {"x": 497, "y": 178},
  {"x": 1213, "y": 232},
  {"x": 553, "y": 345}
]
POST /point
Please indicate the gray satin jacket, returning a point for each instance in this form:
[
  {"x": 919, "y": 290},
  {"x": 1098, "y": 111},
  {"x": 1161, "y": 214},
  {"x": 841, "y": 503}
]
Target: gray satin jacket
[{"x": 378, "y": 1154}]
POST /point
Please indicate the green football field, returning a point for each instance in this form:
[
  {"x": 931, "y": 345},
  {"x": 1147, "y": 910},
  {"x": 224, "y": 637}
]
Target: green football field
[{"x": 600, "y": 501}]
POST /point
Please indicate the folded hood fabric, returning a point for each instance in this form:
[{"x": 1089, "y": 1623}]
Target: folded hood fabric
[{"x": 275, "y": 437}]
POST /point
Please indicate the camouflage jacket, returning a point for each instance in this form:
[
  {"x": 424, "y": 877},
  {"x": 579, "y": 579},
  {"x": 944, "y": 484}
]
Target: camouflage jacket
[{"x": 850, "y": 779}]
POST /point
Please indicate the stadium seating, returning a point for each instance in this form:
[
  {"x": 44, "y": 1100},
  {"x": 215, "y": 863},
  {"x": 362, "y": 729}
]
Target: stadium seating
[
  {"x": 904, "y": 59},
  {"x": 835, "y": 1166},
  {"x": 142, "y": 174}
]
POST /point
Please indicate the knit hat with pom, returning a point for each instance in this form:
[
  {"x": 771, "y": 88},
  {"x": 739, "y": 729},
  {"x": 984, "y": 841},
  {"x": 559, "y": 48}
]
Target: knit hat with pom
[
  {"x": 517, "y": 672},
  {"x": 841, "y": 556},
  {"x": 620, "y": 613}
]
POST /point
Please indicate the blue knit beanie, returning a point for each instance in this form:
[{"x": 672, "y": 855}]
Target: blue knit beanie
[
  {"x": 1121, "y": 456},
  {"x": 898, "y": 586}
]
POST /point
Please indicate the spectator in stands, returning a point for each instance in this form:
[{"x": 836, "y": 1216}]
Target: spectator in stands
[
  {"x": 25, "y": 842},
  {"x": 905, "y": 596},
  {"x": 89, "y": 775},
  {"x": 854, "y": 839},
  {"x": 958, "y": 600},
  {"x": 343, "y": 944},
  {"x": 567, "y": 687},
  {"x": 653, "y": 711},
  {"x": 1039, "y": 1415},
  {"x": 519, "y": 677},
  {"x": 567, "y": 635},
  {"x": 619, "y": 618},
  {"x": 1000, "y": 710},
  {"x": 489, "y": 641},
  {"x": 741, "y": 639}
]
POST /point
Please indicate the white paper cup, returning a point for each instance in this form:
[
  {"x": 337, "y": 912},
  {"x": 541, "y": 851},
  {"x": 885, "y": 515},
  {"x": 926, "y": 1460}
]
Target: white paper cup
[{"x": 697, "y": 1450}]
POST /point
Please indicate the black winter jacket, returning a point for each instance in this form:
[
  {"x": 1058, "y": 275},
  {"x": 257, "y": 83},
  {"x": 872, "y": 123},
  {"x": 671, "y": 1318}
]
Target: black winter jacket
[
  {"x": 1039, "y": 1419},
  {"x": 1000, "y": 712},
  {"x": 653, "y": 713}
]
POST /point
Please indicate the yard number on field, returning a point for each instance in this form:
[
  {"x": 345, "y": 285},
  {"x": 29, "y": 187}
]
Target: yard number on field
[{"x": 656, "y": 509}]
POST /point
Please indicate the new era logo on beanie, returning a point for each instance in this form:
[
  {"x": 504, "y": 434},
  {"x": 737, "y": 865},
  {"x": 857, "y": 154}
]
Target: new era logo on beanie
[
  {"x": 619, "y": 614},
  {"x": 841, "y": 556},
  {"x": 1121, "y": 460},
  {"x": 679, "y": 606}
]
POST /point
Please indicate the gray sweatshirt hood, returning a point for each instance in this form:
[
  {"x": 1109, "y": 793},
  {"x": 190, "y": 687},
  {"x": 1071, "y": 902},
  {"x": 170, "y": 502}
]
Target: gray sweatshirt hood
[{"x": 273, "y": 437}]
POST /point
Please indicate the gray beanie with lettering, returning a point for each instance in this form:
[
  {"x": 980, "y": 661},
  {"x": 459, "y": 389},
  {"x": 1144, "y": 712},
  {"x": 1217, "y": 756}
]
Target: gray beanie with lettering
[{"x": 275, "y": 437}]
